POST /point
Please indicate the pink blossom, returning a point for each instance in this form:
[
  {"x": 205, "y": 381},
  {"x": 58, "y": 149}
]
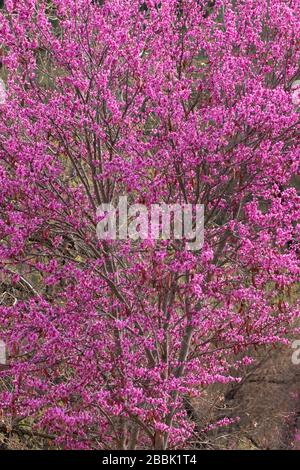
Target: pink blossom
[{"x": 173, "y": 105}]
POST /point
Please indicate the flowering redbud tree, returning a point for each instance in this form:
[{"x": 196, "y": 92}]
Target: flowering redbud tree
[{"x": 176, "y": 102}]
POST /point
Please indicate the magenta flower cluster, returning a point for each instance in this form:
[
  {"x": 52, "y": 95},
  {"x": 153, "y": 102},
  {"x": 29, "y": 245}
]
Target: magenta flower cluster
[{"x": 177, "y": 101}]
